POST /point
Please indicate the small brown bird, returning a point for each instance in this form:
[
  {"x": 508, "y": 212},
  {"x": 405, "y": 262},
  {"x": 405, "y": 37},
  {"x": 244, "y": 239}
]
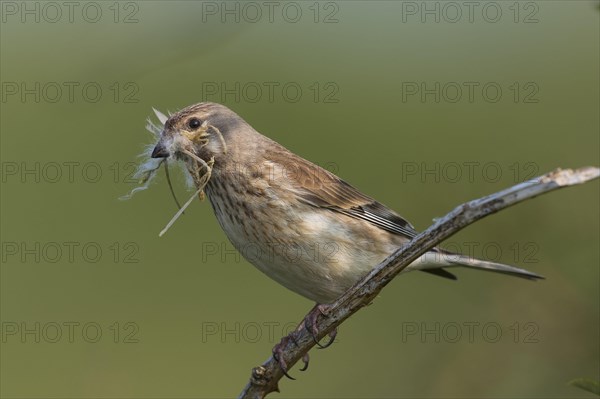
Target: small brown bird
[{"x": 296, "y": 222}]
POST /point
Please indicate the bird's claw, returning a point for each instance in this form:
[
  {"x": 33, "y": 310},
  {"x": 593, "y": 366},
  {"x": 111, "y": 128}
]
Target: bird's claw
[
  {"x": 310, "y": 323},
  {"x": 305, "y": 360},
  {"x": 278, "y": 351}
]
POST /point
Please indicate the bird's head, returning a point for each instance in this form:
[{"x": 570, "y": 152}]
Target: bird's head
[
  {"x": 202, "y": 130},
  {"x": 199, "y": 138}
]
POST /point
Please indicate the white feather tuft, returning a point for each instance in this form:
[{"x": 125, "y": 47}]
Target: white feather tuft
[
  {"x": 146, "y": 171},
  {"x": 161, "y": 117}
]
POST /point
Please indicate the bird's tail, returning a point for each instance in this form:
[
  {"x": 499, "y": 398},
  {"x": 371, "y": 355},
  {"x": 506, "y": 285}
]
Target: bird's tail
[
  {"x": 438, "y": 261},
  {"x": 474, "y": 263}
]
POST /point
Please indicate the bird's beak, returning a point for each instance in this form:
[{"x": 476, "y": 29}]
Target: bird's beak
[{"x": 160, "y": 151}]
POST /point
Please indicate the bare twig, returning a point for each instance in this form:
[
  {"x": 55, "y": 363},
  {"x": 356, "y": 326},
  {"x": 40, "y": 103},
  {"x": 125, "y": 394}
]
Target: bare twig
[{"x": 265, "y": 378}]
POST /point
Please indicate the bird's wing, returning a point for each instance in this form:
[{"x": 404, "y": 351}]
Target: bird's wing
[{"x": 320, "y": 188}]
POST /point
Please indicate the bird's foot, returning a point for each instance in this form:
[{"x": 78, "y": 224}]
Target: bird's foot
[
  {"x": 310, "y": 323},
  {"x": 278, "y": 352}
]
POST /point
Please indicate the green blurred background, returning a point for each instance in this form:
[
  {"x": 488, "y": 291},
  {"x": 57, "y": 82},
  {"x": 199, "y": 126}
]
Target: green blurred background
[{"x": 182, "y": 316}]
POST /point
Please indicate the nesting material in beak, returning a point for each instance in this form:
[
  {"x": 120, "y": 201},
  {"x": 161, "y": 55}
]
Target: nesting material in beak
[{"x": 199, "y": 172}]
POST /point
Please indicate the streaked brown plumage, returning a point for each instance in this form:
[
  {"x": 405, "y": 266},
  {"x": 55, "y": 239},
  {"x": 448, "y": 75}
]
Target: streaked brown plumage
[{"x": 298, "y": 223}]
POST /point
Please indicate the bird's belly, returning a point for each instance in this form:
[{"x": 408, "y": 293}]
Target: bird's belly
[
  {"x": 312, "y": 252},
  {"x": 320, "y": 270}
]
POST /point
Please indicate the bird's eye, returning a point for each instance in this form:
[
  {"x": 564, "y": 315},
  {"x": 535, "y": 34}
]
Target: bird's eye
[{"x": 194, "y": 123}]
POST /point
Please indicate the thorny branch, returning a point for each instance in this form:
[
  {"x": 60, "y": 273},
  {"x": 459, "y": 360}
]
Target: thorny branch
[{"x": 265, "y": 378}]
